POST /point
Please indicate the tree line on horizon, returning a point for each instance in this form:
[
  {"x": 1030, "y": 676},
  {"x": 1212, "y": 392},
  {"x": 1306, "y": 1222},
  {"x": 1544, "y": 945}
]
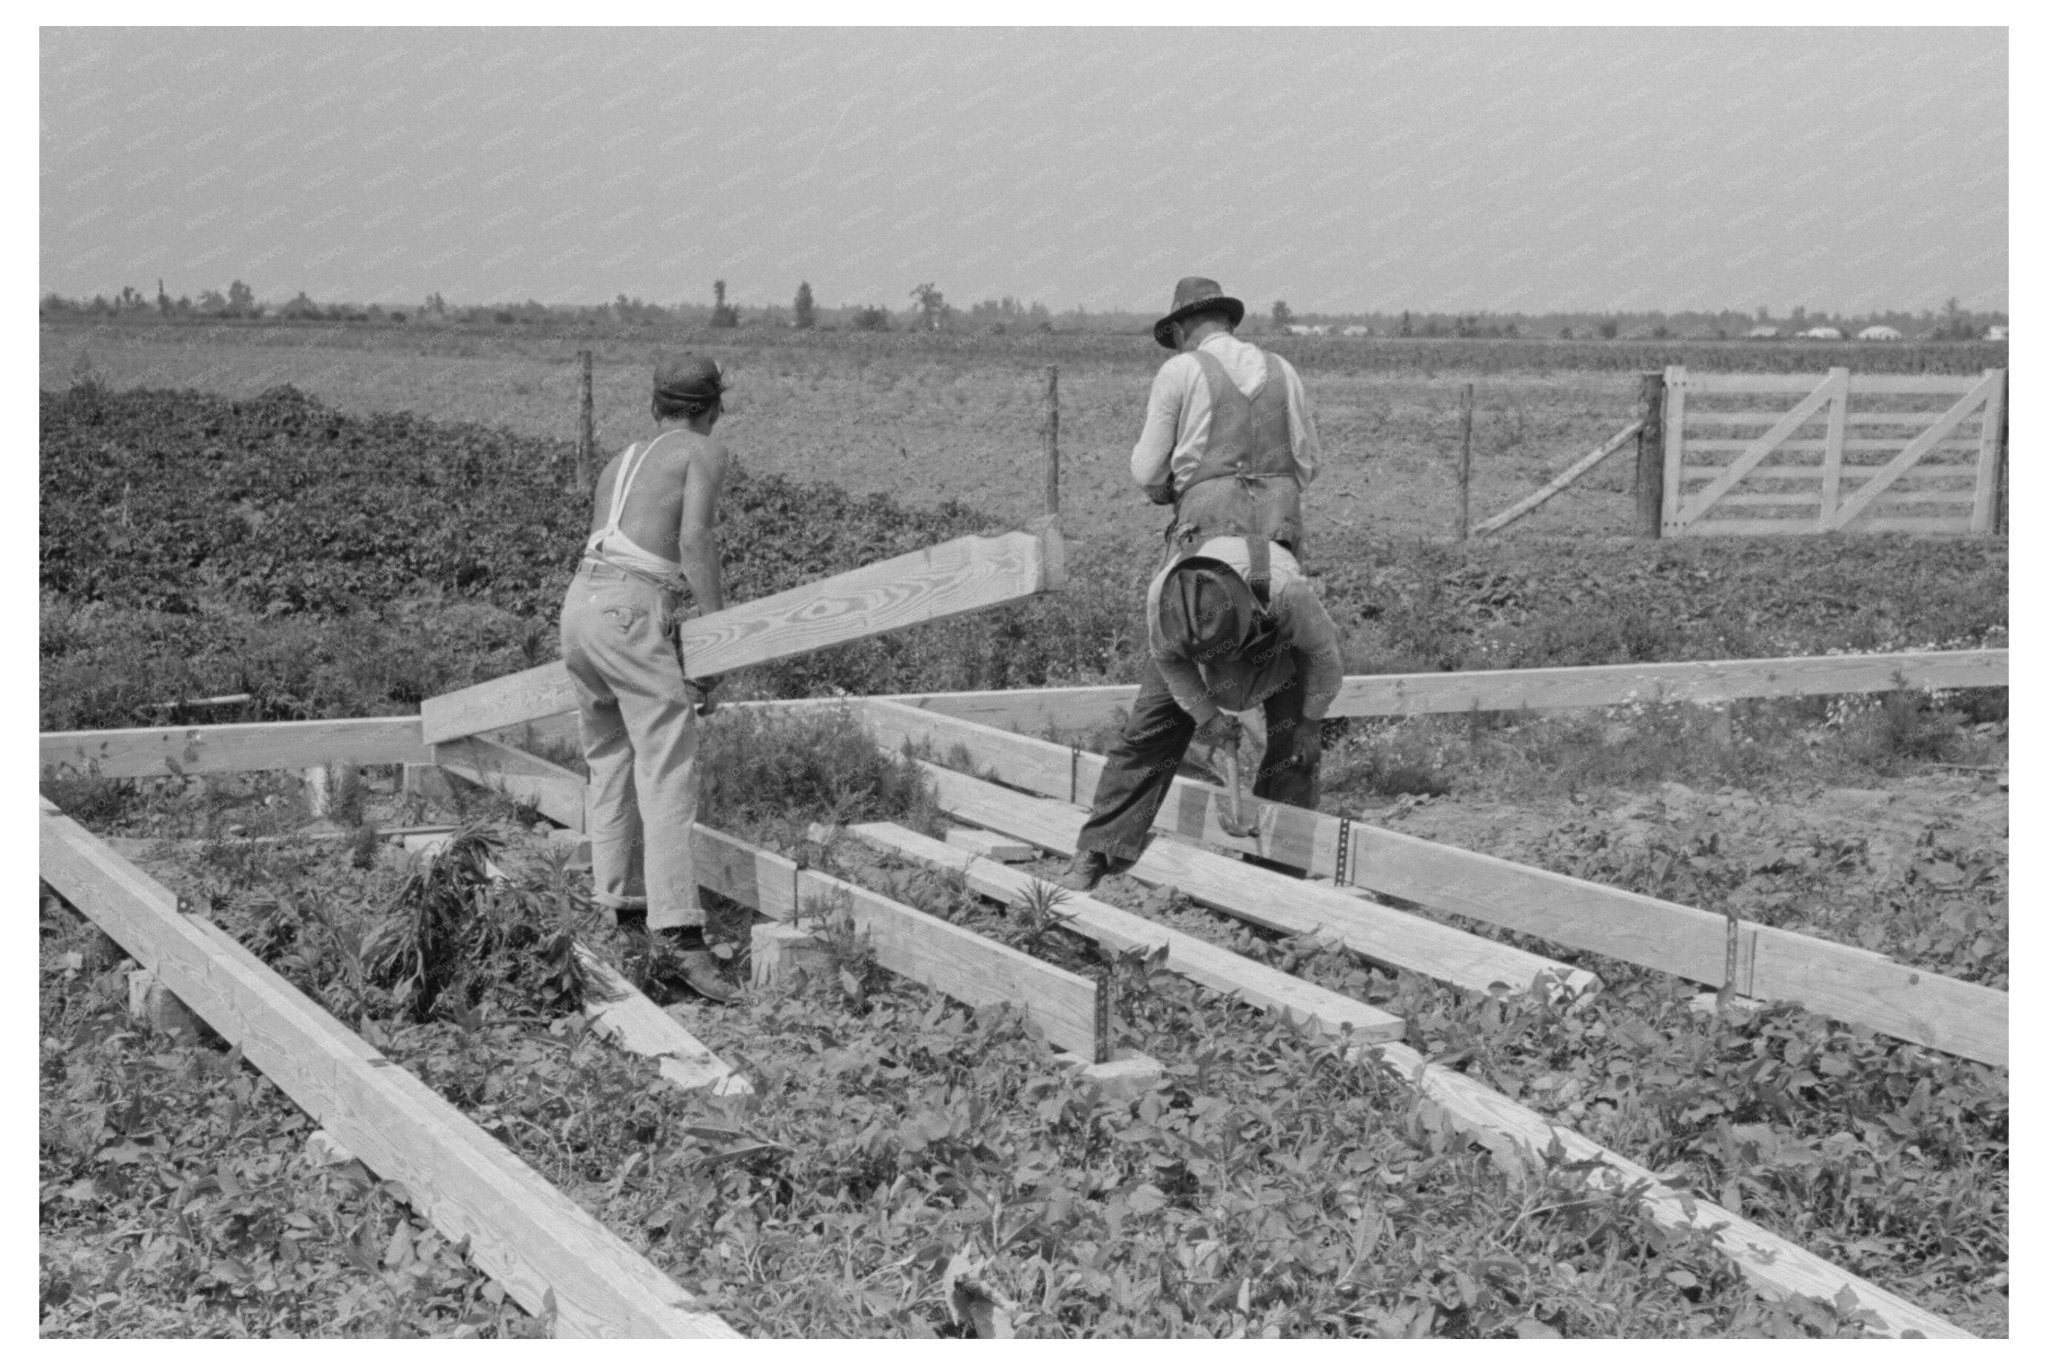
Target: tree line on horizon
[{"x": 928, "y": 310}]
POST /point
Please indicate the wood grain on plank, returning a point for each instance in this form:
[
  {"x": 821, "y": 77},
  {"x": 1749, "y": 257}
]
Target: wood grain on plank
[
  {"x": 956, "y": 961},
  {"x": 1270, "y": 900},
  {"x": 1853, "y": 985},
  {"x": 182, "y": 750},
  {"x": 959, "y": 576},
  {"x": 1200, "y": 961},
  {"x": 520, "y": 1230}
]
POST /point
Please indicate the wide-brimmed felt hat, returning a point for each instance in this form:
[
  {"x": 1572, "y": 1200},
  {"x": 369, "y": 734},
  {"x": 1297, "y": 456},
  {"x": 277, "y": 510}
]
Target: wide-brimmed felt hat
[
  {"x": 688, "y": 379},
  {"x": 1206, "y": 608},
  {"x": 1195, "y": 295}
]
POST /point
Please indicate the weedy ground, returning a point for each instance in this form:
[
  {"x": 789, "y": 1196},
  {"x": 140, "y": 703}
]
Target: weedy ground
[
  {"x": 897, "y": 1142},
  {"x": 900, "y": 1147}
]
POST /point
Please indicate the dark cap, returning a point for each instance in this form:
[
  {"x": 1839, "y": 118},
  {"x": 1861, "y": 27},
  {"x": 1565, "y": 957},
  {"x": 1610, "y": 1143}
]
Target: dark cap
[
  {"x": 688, "y": 379},
  {"x": 1195, "y": 294},
  {"x": 1205, "y": 609}
]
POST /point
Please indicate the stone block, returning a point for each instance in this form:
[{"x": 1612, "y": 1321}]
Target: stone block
[
  {"x": 149, "y": 1003},
  {"x": 1121, "y": 1079},
  {"x": 779, "y": 949}
]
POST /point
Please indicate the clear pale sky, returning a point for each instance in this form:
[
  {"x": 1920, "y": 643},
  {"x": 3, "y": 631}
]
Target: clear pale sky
[{"x": 1849, "y": 170}]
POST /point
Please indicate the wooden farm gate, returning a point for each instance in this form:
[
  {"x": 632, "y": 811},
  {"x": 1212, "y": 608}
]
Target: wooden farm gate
[{"x": 1770, "y": 454}]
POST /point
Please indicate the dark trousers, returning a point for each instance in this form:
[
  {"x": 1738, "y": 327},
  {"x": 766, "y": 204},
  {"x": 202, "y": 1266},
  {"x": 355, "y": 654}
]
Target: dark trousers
[{"x": 1141, "y": 764}]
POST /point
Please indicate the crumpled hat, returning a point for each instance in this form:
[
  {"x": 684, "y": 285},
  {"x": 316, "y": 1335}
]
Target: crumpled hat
[{"x": 1206, "y": 609}]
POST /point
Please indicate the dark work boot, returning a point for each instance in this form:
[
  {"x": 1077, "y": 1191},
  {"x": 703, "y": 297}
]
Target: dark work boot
[
  {"x": 689, "y": 963},
  {"x": 1088, "y": 867}
]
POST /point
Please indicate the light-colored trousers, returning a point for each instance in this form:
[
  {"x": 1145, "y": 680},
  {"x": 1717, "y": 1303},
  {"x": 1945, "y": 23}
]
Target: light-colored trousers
[{"x": 640, "y": 740}]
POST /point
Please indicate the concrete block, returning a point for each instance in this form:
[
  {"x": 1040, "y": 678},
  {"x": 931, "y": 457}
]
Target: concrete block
[
  {"x": 1121, "y": 1079},
  {"x": 426, "y": 780},
  {"x": 149, "y": 1003},
  {"x": 994, "y": 847},
  {"x": 324, "y": 1149},
  {"x": 779, "y": 949}
]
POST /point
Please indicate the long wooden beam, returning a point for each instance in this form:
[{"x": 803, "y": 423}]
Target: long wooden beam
[
  {"x": 1200, "y": 961},
  {"x": 965, "y": 575},
  {"x": 640, "y": 1026},
  {"x": 1773, "y": 1265},
  {"x": 524, "y": 1233},
  {"x": 184, "y": 750},
  {"x": 1577, "y": 470},
  {"x": 958, "y": 962},
  {"x": 1853, "y": 985},
  {"x": 557, "y": 792},
  {"x": 1519, "y": 689},
  {"x": 1268, "y": 899},
  {"x": 1776, "y": 1267}
]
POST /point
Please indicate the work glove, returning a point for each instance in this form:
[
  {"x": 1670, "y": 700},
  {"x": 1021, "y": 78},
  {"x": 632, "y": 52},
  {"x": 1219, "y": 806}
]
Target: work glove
[
  {"x": 699, "y": 691},
  {"x": 1221, "y": 731}
]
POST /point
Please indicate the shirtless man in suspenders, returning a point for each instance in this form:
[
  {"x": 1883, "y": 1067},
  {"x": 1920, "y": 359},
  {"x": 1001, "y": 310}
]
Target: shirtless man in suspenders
[{"x": 653, "y": 535}]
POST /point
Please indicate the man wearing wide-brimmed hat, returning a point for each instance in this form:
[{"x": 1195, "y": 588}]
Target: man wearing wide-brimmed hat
[
  {"x": 653, "y": 536},
  {"x": 1229, "y": 439},
  {"x": 1233, "y": 628}
]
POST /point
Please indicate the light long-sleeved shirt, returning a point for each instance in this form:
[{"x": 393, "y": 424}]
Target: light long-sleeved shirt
[
  {"x": 1177, "y": 414},
  {"x": 1305, "y": 627}
]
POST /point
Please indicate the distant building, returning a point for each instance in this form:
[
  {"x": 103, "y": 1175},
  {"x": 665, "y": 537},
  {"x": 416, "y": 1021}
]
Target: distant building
[
  {"x": 1822, "y": 334},
  {"x": 1357, "y": 330},
  {"x": 1880, "y": 333},
  {"x": 1995, "y": 332},
  {"x": 1764, "y": 332}
]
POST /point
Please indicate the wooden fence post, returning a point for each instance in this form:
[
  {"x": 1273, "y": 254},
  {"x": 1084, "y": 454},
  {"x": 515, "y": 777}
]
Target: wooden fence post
[
  {"x": 2004, "y": 487},
  {"x": 1650, "y": 459},
  {"x": 586, "y": 437},
  {"x": 1465, "y": 471},
  {"x": 1052, "y": 438}
]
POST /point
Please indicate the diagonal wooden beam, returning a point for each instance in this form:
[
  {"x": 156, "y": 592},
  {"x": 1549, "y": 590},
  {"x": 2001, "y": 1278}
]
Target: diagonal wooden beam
[
  {"x": 548, "y": 1253},
  {"x": 1853, "y": 985},
  {"x": 1578, "y": 469},
  {"x": 1270, "y": 900},
  {"x": 1979, "y": 396},
  {"x": 1833, "y": 389},
  {"x": 557, "y": 792},
  {"x": 965, "y": 575},
  {"x": 1772, "y": 1265}
]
